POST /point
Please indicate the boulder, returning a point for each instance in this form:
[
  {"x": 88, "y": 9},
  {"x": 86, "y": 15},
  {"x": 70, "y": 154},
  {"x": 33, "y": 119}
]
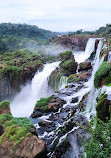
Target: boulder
[
  {"x": 1, "y": 130},
  {"x": 46, "y": 105},
  {"x": 103, "y": 107},
  {"x": 85, "y": 66},
  {"x": 68, "y": 65},
  {"x": 18, "y": 137},
  {"x": 75, "y": 100},
  {"x": 79, "y": 77}
]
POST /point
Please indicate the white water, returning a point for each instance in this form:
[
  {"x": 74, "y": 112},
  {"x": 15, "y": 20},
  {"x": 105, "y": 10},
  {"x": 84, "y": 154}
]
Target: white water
[
  {"x": 91, "y": 102},
  {"x": 24, "y": 102},
  {"x": 84, "y": 55},
  {"x": 63, "y": 82}
]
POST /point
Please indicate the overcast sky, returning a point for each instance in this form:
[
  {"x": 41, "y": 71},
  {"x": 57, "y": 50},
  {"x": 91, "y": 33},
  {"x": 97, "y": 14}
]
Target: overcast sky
[{"x": 57, "y": 15}]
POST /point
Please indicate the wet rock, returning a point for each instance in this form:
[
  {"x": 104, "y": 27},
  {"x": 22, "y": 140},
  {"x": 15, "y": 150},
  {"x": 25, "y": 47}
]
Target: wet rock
[
  {"x": 45, "y": 123},
  {"x": 68, "y": 64},
  {"x": 1, "y": 130},
  {"x": 85, "y": 66},
  {"x": 53, "y": 103},
  {"x": 79, "y": 77},
  {"x": 103, "y": 107},
  {"x": 73, "y": 42},
  {"x": 95, "y": 48},
  {"x": 83, "y": 103},
  {"x": 36, "y": 114},
  {"x": 75, "y": 100}
]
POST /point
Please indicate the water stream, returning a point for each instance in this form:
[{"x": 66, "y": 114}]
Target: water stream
[{"x": 24, "y": 102}]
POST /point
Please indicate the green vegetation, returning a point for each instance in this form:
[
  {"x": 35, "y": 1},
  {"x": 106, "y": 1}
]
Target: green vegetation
[
  {"x": 16, "y": 129},
  {"x": 103, "y": 70},
  {"x": 66, "y": 55},
  {"x": 103, "y": 107},
  {"x": 103, "y": 31},
  {"x": 68, "y": 64},
  {"x": 25, "y": 31},
  {"x": 43, "y": 102},
  {"x": 99, "y": 145},
  {"x": 4, "y": 104},
  {"x": 73, "y": 78}
]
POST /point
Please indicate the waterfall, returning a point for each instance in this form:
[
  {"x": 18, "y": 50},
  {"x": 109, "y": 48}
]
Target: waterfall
[
  {"x": 84, "y": 55},
  {"x": 24, "y": 102},
  {"x": 91, "y": 102},
  {"x": 63, "y": 82}
]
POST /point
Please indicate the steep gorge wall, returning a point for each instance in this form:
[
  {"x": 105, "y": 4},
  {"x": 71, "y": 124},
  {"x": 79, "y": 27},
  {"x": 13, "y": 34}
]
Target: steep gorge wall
[
  {"x": 10, "y": 86},
  {"x": 73, "y": 42}
]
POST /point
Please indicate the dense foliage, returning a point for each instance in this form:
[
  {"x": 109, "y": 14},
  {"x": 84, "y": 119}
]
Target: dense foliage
[
  {"x": 100, "y": 144},
  {"x": 24, "y": 30},
  {"x": 103, "y": 70}
]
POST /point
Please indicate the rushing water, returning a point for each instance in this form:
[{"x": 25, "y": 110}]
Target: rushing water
[
  {"x": 24, "y": 102},
  {"x": 83, "y": 55}
]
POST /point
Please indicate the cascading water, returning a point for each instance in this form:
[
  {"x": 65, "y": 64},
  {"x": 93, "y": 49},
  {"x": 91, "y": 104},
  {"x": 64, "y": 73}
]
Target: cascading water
[
  {"x": 24, "y": 102},
  {"x": 83, "y": 55},
  {"x": 63, "y": 82},
  {"x": 91, "y": 102},
  {"x": 59, "y": 120}
]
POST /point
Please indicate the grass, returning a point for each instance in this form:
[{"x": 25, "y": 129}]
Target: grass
[
  {"x": 43, "y": 101},
  {"x": 16, "y": 129}
]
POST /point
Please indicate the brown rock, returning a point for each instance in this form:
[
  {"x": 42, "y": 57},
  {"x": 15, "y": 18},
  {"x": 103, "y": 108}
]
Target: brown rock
[{"x": 85, "y": 66}]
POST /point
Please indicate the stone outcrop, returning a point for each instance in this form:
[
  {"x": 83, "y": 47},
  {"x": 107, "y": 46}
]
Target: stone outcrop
[
  {"x": 79, "y": 77},
  {"x": 103, "y": 107},
  {"x": 68, "y": 65},
  {"x": 10, "y": 86},
  {"x": 18, "y": 137},
  {"x": 73, "y": 42},
  {"x": 51, "y": 105},
  {"x": 85, "y": 66}
]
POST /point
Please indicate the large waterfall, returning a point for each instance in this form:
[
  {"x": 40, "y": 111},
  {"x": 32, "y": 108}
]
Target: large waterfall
[
  {"x": 24, "y": 102},
  {"x": 56, "y": 122}
]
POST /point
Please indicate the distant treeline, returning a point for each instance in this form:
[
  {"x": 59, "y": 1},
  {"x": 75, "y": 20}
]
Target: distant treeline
[
  {"x": 18, "y": 36},
  {"x": 103, "y": 31}
]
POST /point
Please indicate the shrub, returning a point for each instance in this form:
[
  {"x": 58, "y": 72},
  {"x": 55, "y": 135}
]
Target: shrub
[
  {"x": 103, "y": 70},
  {"x": 99, "y": 145}
]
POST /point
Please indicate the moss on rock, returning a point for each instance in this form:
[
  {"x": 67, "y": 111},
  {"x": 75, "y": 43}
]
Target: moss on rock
[
  {"x": 68, "y": 65},
  {"x": 103, "y": 75},
  {"x": 103, "y": 107},
  {"x": 66, "y": 55},
  {"x": 4, "y": 107}
]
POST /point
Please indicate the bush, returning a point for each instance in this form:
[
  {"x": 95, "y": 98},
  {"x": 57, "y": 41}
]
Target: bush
[
  {"x": 99, "y": 145},
  {"x": 103, "y": 70}
]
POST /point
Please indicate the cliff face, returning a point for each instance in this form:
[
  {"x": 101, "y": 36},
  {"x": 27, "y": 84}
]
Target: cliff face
[
  {"x": 73, "y": 42},
  {"x": 10, "y": 86}
]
